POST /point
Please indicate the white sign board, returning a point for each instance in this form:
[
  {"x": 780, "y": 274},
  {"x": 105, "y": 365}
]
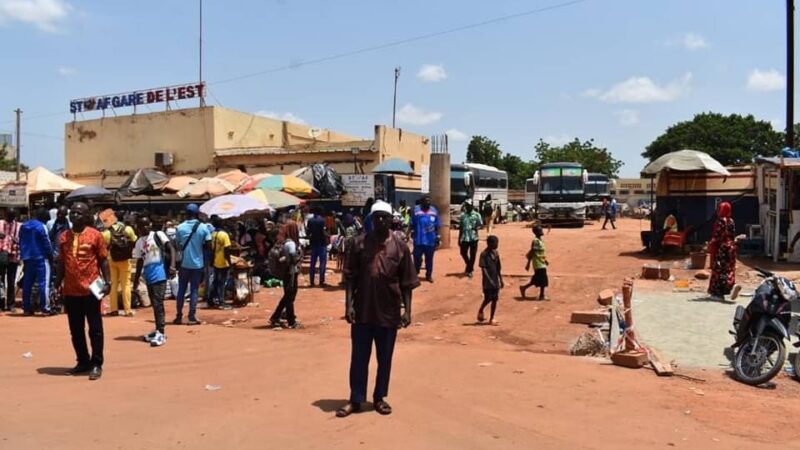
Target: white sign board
[
  {"x": 14, "y": 194},
  {"x": 425, "y": 182},
  {"x": 359, "y": 188}
]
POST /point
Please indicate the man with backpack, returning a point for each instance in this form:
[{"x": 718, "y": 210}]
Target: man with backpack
[
  {"x": 192, "y": 238},
  {"x": 120, "y": 239},
  {"x": 150, "y": 256}
]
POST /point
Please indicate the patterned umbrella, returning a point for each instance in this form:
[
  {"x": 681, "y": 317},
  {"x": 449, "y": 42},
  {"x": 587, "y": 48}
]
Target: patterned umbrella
[
  {"x": 235, "y": 177},
  {"x": 252, "y": 181},
  {"x": 287, "y": 183},
  {"x": 176, "y": 184},
  {"x": 275, "y": 199},
  {"x": 233, "y": 205}
]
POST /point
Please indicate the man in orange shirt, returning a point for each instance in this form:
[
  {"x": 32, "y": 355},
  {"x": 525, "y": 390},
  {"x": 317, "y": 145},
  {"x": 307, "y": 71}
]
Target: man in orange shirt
[{"x": 84, "y": 259}]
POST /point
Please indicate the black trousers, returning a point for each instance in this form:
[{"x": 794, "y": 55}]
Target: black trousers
[
  {"x": 361, "y": 336},
  {"x": 468, "y": 252},
  {"x": 287, "y": 301},
  {"x": 156, "y": 292},
  {"x": 82, "y": 310},
  {"x": 8, "y": 277},
  {"x": 609, "y": 218}
]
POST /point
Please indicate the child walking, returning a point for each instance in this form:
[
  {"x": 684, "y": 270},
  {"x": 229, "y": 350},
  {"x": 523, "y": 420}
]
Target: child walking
[
  {"x": 492, "y": 278},
  {"x": 149, "y": 252},
  {"x": 536, "y": 255}
]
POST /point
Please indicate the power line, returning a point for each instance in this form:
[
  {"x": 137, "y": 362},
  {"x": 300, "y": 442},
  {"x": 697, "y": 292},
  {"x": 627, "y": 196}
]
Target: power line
[{"x": 403, "y": 41}]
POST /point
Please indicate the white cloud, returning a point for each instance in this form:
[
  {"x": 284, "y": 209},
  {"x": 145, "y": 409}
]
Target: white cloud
[
  {"x": 765, "y": 80},
  {"x": 628, "y": 117},
  {"x": 417, "y": 116},
  {"x": 558, "y": 140},
  {"x": 67, "y": 71},
  {"x": 47, "y": 15},
  {"x": 287, "y": 116},
  {"x": 643, "y": 90},
  {"x": 432, "y": 73},
  {"x": 693, "y": 41},
  {"x": 456, "y": 135}
]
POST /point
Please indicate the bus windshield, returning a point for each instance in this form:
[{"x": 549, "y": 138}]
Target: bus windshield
[
  {"x": 562, "y": 181},
  {"x": 460, "y": 191}
]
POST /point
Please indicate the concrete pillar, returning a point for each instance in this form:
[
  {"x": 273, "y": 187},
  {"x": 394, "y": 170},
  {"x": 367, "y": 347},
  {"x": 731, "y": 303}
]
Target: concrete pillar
[{"x": 440, "y": 192}]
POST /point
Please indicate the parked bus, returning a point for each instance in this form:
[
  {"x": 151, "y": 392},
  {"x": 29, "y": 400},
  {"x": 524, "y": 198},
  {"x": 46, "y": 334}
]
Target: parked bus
[
  {"x": 560, "y": 193},
  {"x": 531, "y": 191},
  {"x": 475, "y": 182},
  {"x": 598, "y": 187}
]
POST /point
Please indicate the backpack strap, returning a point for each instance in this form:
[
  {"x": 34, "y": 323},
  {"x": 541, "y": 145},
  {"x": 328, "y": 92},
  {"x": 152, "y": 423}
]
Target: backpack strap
[{"x": 191, "y": 235}]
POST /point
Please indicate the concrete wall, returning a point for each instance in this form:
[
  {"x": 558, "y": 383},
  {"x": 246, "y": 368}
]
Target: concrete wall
[
  {"x": 113, "y": 144},
  {"x": 105, "y": 151}
]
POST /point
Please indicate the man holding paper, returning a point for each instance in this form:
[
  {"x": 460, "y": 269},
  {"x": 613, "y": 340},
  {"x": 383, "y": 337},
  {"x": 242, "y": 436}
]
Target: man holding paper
[{"x": 85, "y": 274}]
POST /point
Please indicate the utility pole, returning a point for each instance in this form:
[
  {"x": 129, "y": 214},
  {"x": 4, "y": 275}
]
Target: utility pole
[
  {"x": 394, "y": 102},
  {"x": 202, "y": 97},
  {"x": 19, "y": 145},
  {"x": 790, "y": 74}
]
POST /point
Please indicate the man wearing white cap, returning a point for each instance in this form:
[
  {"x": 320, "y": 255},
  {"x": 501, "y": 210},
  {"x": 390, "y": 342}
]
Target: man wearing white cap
[{"x": 380, "y": 276}]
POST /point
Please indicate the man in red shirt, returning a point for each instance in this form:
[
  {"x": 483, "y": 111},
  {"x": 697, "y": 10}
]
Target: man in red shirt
[{"x": 84, "y": 259}]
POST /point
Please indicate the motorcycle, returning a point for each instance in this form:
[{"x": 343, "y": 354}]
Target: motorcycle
[{"x": 762, "y": 328}]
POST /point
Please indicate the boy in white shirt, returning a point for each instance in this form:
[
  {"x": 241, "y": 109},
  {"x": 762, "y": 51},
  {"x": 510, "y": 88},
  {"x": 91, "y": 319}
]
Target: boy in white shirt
[{"x": 149, "y": 254}]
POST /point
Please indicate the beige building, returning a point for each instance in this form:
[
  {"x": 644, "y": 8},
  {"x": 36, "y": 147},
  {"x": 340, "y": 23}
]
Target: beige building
[
  {"x": 634, "y": 190},
  {"x": 205, "y": 141}
]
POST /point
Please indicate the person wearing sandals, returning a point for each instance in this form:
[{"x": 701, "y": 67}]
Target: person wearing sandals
[
  {"x": 537, "y": 256},
  {"x": 380, "y": 276}
]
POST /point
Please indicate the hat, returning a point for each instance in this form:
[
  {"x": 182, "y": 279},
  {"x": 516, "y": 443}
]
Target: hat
[
  {"x": 381, "y": 206},
  {"x": 192, "y": 208}
]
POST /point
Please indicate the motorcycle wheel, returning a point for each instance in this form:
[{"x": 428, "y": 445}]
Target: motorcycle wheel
[{"x": 764, "y": 364}]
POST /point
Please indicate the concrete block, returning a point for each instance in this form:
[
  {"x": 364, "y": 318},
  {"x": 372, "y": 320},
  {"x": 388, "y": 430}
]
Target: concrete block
[
  {"x": 632, "y": 360},
  {"x": 589, "y": 317},
  {"x": 606, "y": 297}
]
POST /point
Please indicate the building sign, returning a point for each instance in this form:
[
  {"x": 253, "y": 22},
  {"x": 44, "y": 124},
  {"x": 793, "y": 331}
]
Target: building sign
[
  {"x": 358, "y": 189},
  {"x": 425, "y": 182},
  {"x": 146, "y": 97},
  {"x": 14, "y": 194}
]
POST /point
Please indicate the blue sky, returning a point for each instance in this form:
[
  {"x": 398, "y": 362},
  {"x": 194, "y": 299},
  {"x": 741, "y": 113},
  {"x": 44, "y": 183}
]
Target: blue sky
[{"x": 618, "y": 71}]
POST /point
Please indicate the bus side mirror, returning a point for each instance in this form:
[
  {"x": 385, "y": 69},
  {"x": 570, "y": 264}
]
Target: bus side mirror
[
  {"x": 585, "y": 176},
  {"x": 467, "y": 180},
  {"x": 536, "y": 178}
]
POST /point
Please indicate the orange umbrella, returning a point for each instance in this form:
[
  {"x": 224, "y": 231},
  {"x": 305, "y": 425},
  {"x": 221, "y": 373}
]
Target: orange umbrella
[
  {"x": 211, "y": 187},
  {"x": 235, "y": 177}
]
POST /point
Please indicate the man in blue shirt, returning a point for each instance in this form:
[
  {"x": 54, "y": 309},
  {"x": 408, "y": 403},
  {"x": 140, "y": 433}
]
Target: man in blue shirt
[
  {"x": 318, "y": 238},
  {"x": 36, "y": 252},
  {"x": 425, "y": 225},
  {"x": 191, "y": 238}
]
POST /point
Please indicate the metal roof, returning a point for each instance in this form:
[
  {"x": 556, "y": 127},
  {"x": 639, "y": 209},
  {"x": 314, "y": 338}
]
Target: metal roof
[{"x": 793, "y": 163}]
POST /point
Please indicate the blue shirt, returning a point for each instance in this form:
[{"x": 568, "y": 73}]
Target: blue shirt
[
  {"x": 34, "y": 243},
  {"x": 193, "y": 255},
  {"x": 425, "y": 224},
  {"x": 315, "y": 230}
]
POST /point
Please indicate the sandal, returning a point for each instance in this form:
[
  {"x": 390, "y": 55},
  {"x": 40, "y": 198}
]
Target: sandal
[
  {"x": 383, "y": 408},
  {"x": 348, "y": 409}
]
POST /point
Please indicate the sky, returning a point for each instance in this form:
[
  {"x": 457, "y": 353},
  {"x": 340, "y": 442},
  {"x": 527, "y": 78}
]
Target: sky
[{"x": 616, "y": 71}]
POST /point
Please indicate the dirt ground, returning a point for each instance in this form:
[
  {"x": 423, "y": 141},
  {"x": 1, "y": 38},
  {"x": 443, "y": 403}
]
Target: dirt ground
[{"x": 454, "y": 384}]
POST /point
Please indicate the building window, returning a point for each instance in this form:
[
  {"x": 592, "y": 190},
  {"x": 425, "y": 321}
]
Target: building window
[
  {"x": 613, "y": 192},
  {"x": 624, "y": 192},
  {"x": 638, "y": 192}
]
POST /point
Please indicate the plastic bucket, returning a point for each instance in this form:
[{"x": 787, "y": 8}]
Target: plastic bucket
[{"x": 698, "y": 260}]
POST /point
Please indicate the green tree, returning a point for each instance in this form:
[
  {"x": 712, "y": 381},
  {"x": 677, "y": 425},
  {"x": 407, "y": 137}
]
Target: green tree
[
  {"x": 593, "y": 158},
  {"x": 9, "y": 164},
  {"x": 732, "y": 139},
  {"x": 483, "y": 150},
  {"x": 518, "y": 170}
]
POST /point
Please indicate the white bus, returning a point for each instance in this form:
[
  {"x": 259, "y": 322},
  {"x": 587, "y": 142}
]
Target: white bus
[{"x": 476, "y": 182}]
